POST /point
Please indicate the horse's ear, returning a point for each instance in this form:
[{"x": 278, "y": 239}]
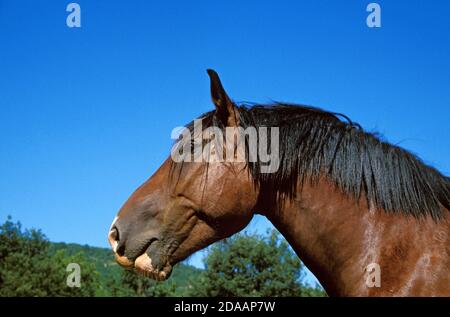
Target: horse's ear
[{"x": 225, "y": 109}]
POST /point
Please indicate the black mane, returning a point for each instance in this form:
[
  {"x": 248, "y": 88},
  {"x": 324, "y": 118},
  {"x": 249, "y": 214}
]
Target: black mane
[{"x": 314, "y": 142}]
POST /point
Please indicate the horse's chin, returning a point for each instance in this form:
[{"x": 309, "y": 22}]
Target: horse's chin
[{"x": 143, "y": 265}]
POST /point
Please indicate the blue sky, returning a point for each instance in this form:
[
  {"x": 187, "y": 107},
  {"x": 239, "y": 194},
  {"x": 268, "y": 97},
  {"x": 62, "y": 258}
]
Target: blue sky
[{"x": 86, "y": 114}]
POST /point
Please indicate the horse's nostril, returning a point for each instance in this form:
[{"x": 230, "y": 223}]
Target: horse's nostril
[
  {"x": 113, "y": 238},
  {"x": 120, "y": 249},
  {"x": 114, "y": 234}
]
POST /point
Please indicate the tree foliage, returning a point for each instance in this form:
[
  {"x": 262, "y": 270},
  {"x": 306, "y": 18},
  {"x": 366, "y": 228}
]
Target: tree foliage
[
  {"x": 27, "y": 268},
  {"x": 244, "y": 265},
  {"x": 253, "y": 265}
]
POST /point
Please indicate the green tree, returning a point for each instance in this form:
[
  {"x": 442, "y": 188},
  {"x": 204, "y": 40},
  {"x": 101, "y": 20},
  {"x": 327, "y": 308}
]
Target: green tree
[
  {"x": 133, "y": 284},
  {"x": 28, "y": 269},
  {"x": 244, "y": 265},
  {"x": 252, "y": 265}
]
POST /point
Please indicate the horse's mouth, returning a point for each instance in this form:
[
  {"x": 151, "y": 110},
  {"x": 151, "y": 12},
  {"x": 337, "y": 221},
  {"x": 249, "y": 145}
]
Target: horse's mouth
[
  {"x": 143, "y": 265},
  {"x": 155, "y": 269},
  {"x": 150, "y": 261}
]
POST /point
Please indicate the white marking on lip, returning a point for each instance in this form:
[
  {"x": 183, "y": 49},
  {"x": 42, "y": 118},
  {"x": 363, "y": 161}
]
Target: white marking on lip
[
  {"x": 144, "y": 262},
  {"x": 115, "y": 243}
]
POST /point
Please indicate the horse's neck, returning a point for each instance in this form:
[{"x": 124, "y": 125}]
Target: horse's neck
[{"x": 344, "y": 242}]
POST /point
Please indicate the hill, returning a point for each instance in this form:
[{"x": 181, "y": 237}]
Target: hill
[
  {"x": 243, "y": 265},
  {"x": 109, "y": 270}
]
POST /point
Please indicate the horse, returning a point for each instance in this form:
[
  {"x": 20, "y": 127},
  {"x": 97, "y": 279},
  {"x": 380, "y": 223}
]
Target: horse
[{"x": 368, "y": 218}]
